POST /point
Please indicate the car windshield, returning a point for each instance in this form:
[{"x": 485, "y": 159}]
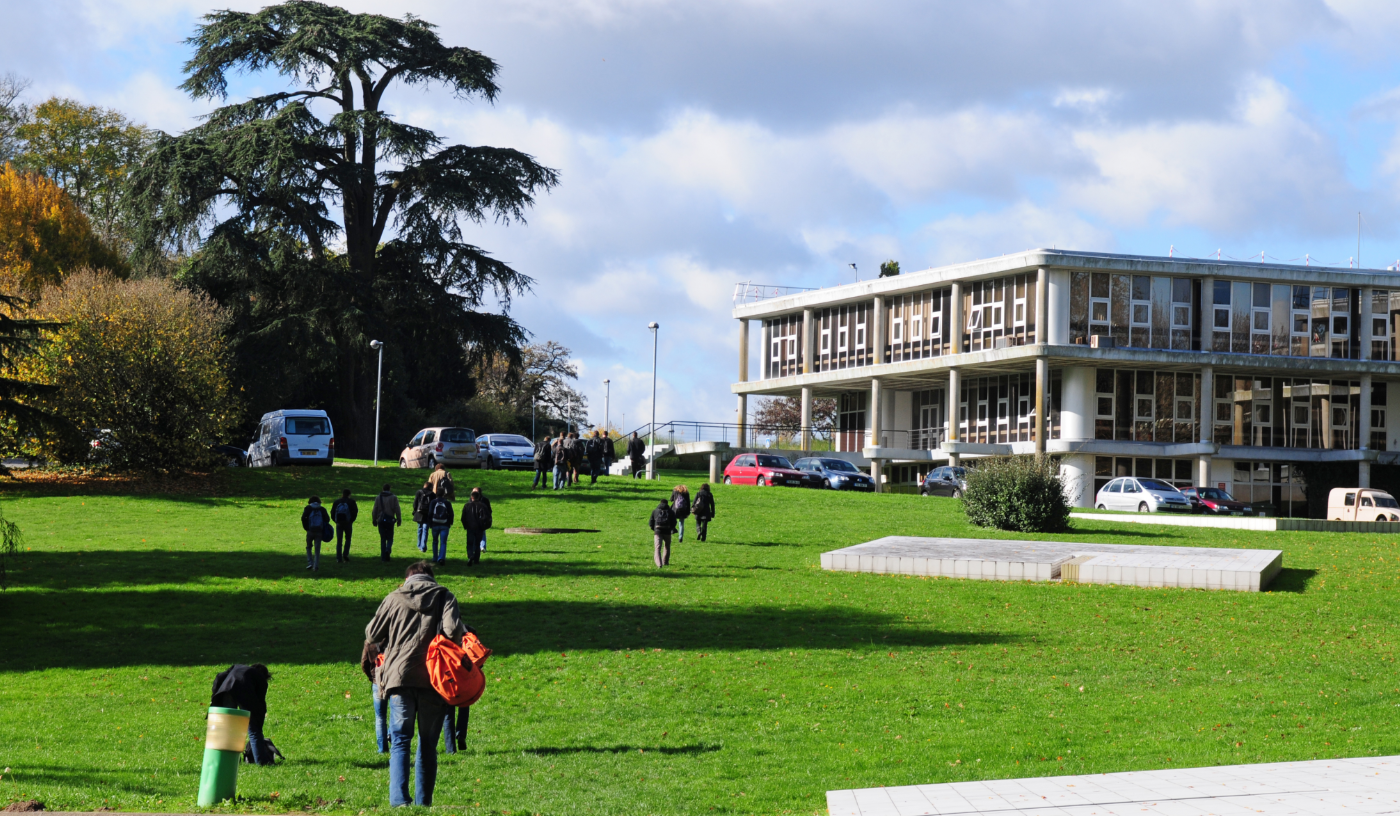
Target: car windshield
[
  {"x": 959, "y": 473},
  {"x": 307, "y": 426},
  {"x": 1153, "y": 484},
  {"x": 1214, "y": 494},
  {"x": 1386, "y": 501},
  {"x": 511, "y": 441},
  {"x": 458, "y": 435},
  {"x": 773, "y": 462},
  {"x": 839, "y": 464}
]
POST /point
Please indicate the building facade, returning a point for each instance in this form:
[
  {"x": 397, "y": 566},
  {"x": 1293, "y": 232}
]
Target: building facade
[{"x": 1195, "y": 372}]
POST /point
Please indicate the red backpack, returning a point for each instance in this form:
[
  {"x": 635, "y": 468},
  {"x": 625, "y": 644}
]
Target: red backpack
[{"x": 455, "y": 671}]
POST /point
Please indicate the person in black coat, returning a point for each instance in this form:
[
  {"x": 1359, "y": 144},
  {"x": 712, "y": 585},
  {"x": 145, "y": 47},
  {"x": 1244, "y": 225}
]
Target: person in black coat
[
  {"x": 680, "y": 505},
  {"x": 476, "y": 518},
  {"x": 703, "y": 508},
  {"x": 637, "y": 452},
  {"x": 663, "y": 524},
  {"x": 245, "y": 687},
  {"x": 595, "y": 456},
  {"x": 316, "y": 522},
  {"x": 343, "y": 513}
]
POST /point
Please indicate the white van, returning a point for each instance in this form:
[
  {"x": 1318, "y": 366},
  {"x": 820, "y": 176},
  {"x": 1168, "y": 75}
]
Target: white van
[
  {"x": 293, "y": 437},
  {"x": 1361, "y": 504}
]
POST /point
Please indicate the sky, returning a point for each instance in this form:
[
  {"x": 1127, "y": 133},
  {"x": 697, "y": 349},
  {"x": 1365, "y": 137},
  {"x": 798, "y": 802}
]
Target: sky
[{"x": 777, "y": 142}]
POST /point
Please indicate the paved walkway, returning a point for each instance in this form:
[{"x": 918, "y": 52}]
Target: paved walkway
[{"x": 1324, "y": 787}]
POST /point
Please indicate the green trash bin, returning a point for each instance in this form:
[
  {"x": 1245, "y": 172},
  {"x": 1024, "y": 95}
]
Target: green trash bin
[{"x": 223, "y": 752}]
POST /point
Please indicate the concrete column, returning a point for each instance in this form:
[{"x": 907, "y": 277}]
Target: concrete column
[
  {"x": 954, "y": 397},
  {"x": 1363, "y": 422},
  {"x": 714, "y": 468},
  {"x": 1057, "y": 308},
  {"x": 809, "y": 352},
  {"x": 1042, "y": 383},
  {"x": 1206, "y": 319},
  {"x": 1325, "y": 421},
  {"x": 958, "y": 321},
  {"x": 743, "y": 421},
  {"x": 1207, "y": 419},
  {"x": 1363, "y": 474},
  {"x": 806, "y": 418},
  {"x": 744, "y": 351},
  {"x": 1237, "y": 438},
  {"x": 1077, "y": 403},
  {"x": 1077, "y": 472},
  {"x": 879, "y": 335},
  {"x": 1042, "y": 298},
  {"x": 876, "y": 409},
  {"x": 1366, "y": 335}
]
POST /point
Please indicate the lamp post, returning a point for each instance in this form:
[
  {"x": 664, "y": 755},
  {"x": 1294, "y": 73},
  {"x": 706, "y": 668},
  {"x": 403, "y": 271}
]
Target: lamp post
[
  {"x": 378, "y": 346},
  {"x": 607, "y": 403},
  {"x": 651, "y": 460}
]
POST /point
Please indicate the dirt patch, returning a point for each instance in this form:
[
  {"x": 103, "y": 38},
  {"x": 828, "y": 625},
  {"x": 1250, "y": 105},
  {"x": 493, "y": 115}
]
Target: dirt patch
[
  {"x": 65, "y": 481},
  {"x": 26, "y": 806}
]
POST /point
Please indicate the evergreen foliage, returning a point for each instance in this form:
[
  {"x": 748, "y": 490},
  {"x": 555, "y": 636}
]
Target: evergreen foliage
[{"x": 1017, "y": 493}]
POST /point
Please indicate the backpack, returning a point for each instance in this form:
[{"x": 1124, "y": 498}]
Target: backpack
[
  {"x": 667, "y": 522},
  {"x": 680, "y": 505},
  {"x": 480, "y": 512},
  {"x": 455, "y": 671},
  {"x": 317, "y": 518},
  {"x": 440, "y": 513},
  {"x": 341, "y": 511}
]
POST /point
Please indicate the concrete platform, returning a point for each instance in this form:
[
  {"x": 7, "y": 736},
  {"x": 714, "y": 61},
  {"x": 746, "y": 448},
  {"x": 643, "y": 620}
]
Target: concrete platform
[
  {"x": 1313, "y": 788},
  {"x": 1011, "y": 560}
]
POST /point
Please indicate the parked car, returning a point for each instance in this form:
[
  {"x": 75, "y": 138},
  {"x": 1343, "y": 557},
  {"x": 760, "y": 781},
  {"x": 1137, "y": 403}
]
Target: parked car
[
  {"x": 454, "y": 447},
  {"x": 293, "y": 437},
  {"x": 945, "y": 481},
  {"x": 505, "y": 451},
  {"x": 1142, "y": 495},
  {"x": 835, "y": 474},
  {"x": 763, "y": 469},
  {"x": 1361, "y": 504},
  {"x": 235, "y": 456},
  {"x": 101, "y": 446},
  {"x": 1215, "y": 500}
]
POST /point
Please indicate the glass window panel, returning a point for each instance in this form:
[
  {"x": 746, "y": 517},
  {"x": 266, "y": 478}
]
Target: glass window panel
[
  {"x": 1105, "y": 406},
  {"x": 1181, "y": 290},
  {"x": 1261, "y": 295},
  {"x": 1140, "y": 314},
  {"x": 1142, "y": 287},
  {"x": 1100, "y": 313},
  {"x": 1103, "y": 380},
  {"x": 1181, "y": 317},
  {"x": 1222, "y": 293},
  {"x": 1098, "y": 286},
  {"x": 1261, "y": 321},
  {"x": 1300, "y": 297}
]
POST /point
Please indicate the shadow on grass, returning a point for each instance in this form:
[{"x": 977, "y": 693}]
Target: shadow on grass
[
  {"x": 616, "y": 749},
  {"x": 1291, "y": 580},
  {"x": 180, "y": 627}
]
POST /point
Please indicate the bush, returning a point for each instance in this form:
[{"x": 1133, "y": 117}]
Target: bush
[
  {"x": 1017, "y": 493},
  {"x": 143, "y": 359}
]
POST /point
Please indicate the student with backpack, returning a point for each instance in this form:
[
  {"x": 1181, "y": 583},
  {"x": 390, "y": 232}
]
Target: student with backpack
[
  {"x": 441, "y": 482},
  {"x": 704, "y": 510},
  {"x": 561, "y": 460},
  {"x": 663, "y": 524},
  {"x": 421, "y": 500},
  {"x": 343, "y": 513},
  {"x": 680, "y": 505},
  {"x": 476, "y": 518},
  {"x": 440, "y": 520},
  {"x": 595, "y": 456},
  {"x": 317, "y": 524},
  {"x": 385, "y": 515},
  {"x": 543, "y": 460}
]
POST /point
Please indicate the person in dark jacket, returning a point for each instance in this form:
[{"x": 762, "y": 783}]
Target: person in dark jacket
[
  {"x": 343, "y": 513},
  {"x": 680, "y": 505},
  {"x": 245, "y": 687},
  {"x": 439, "y": 515},
  {"x": 637, "y": 452},
  {"x": 315, "y": 521},
  {"x": 663, "y": 524},
  {"x": 703, "y": 508},
  {"x": 544, "y": 460},
  {"x": 385, "y": 515},
  {"x": 420, "y": 514},
  {"x": 561, "y": 460},
  {"x": 476, "y": 518},
  {"x": 577, "y": 453},
  {"x": 595, "y": 456}
]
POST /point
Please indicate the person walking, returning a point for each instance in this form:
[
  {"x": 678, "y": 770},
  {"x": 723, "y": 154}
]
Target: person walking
[
  {"x": 442, "y": 476},
  {"x": 476, "y": 518},
  {"x": 421, "y": 500},
  {"x": 343, "y": 513},
  {"x": 680, "y": 505},
  {"x": 315, "y": 521},
  {"x": 561, "y": 460},
  {"x": 663, "y": 524},
  {"x": 703, "y": 508},
  {"x": 405, "y": 623},
  {"x": 595, "y": 455},
  {"x": 637, "y": 452},
  {"x": 609, "y": 452},
  {"x": 544, "y": 460},
  {"x": 370, "y": 661},
  {"x": 440, "y": 520},
  {"x": 243, "y": 686},
  {"x": 386, "y": 515}
]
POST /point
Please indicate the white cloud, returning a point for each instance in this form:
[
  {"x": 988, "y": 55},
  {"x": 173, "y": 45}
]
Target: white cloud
[{"x": 1024, "y": 225}]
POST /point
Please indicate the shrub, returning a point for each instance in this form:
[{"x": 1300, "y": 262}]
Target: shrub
[
  {"x": 143, "y": 359},
  {"x": 1017, "y": 493}
]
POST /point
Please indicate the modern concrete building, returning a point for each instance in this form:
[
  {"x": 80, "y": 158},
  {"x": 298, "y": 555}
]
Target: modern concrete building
[{"x": 1195, "y": 372}]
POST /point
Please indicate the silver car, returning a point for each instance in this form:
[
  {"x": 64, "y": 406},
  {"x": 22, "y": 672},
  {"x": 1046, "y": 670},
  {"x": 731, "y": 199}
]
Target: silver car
[
  {"x": 454, "y": 447},
  {"x": 505, "y": 451},
  {"x": 1142, "y": 495}
]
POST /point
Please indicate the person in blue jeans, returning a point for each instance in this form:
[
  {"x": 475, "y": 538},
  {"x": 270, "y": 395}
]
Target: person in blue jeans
[
  {"x": 454, "y": 729},
  {"x": 370, "y": 661},
  {"x": 440, "y": 520},
  {"x": 421, "y": 500},
  {"x": 243, "y": 686},
  {"x": 403, "y": 626}
]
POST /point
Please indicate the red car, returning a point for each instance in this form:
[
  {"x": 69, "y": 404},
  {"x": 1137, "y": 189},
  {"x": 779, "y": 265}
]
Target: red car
[{"x": 763, "y": 469}]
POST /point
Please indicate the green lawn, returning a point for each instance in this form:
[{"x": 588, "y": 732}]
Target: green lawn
[{"x": 742, "y": 679}]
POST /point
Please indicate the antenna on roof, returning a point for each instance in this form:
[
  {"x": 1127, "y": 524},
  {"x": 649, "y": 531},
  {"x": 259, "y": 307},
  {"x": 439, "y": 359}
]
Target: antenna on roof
[{"x": 857, "y": 271}]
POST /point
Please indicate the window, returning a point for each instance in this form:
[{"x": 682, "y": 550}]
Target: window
[
  {"x": 1142, "y": 301},
  {"x": 974, "y": 320},
  {"x": 935, "y": 325},
  {"x": 1098, "y": 303},
  {"x": 1222, "y": 306},
  {"x": 916, "y": 325},
  {"x": 1181, "y": 303},
  {"x": 860, "y": 333},
  {"x": 897, "y": 330},
  {"x": 462, "y": 435},
  {"x": 307, "y": 426},
  {"x": 416, "y": 441},
  {"x": 429, "y": 437}
]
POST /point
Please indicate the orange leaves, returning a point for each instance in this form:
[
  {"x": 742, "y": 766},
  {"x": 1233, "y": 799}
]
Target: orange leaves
[{"x": 43, "y": 234}]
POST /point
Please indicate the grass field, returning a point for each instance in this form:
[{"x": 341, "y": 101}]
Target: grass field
[{"x": 742, "y": 679}]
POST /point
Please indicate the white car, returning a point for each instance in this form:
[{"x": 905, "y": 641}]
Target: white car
[{"x": 1142, "y": 495}]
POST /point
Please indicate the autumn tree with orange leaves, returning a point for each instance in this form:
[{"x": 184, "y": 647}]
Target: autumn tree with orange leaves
[{"x": 44, "y": 235}]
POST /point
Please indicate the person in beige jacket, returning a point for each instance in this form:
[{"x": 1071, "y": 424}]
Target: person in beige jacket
[{"x": 406, "y": 622}]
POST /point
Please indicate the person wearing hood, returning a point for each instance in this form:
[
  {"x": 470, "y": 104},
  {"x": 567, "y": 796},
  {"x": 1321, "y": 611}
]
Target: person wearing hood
[
  {"x": 704, "y": 510},
  {"x": 663, "y": 524},
  {"x": 420, "y": 514},
  {"x": 314, "y": 520},
  {"x": 476, "y": 518},
  {"x": 406, "y": 622},
  {"x": 385, "y": 515}
]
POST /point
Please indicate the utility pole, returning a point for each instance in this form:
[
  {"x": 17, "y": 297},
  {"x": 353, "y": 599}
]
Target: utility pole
[
  {"x": 607, "y": 405},
  {"x": 378, "y": 393},
  {"x": 651, "y": 460}
]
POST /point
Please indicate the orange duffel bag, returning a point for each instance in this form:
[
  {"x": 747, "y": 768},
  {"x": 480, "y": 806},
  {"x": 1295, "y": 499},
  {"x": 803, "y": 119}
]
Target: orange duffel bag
[{"x": 455, "y": 671}]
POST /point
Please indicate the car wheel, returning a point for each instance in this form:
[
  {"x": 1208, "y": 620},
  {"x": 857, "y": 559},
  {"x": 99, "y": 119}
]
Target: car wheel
[
  {"x": 827, "y": 484},
  {"x": 1101, "y": 507},
  {"x": 432, "y": 463},
  {"x": 727, "y": 481},
  {"x": 1142, "y": 508},
  {"x": 957, "y": 494},
  {"x": 403, "y": 463},
  {"x": 1380, "y": 518},
  {"x": 761, "y": 482}
]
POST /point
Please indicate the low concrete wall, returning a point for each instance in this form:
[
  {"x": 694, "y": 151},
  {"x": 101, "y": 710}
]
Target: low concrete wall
[{"x": 1247, "y": 523}]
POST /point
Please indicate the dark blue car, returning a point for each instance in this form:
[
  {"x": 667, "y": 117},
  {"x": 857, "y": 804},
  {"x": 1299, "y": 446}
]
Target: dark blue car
[{"x": 835, "y": 474}]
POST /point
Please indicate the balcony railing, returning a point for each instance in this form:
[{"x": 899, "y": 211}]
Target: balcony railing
[{"x": 754, "y": 292}]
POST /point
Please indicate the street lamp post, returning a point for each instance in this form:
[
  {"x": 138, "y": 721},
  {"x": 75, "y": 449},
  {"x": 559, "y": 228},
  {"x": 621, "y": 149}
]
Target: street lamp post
[
  {"x": 607, "y": 403},
  {"x": 651, "y": 460},
  {"x": 378, "y": 392}
]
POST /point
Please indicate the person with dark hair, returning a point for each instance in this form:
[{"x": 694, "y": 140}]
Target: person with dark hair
[
  {"x": 704, "y": 510},
  {"x": 663, "y": 524},
  {"x": 420, "y": 514},
  {"x": 561, "y": 460},
  {"x": 575, "y": 457},
  {"x": 440, "y": 520},
  {"x": 543, "y": 461},
  {"x": 637, "y": 452},
  {"x": 245, "y": 687},
  {"x": 476, "y": 518},
  {"x": 595, "y": 456},
  {"x": 385, "y": 515},
  {"x": 314, "y": 520},
  {"x": 403, "y": 627},
  {"x": 343, "y": 513}
]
